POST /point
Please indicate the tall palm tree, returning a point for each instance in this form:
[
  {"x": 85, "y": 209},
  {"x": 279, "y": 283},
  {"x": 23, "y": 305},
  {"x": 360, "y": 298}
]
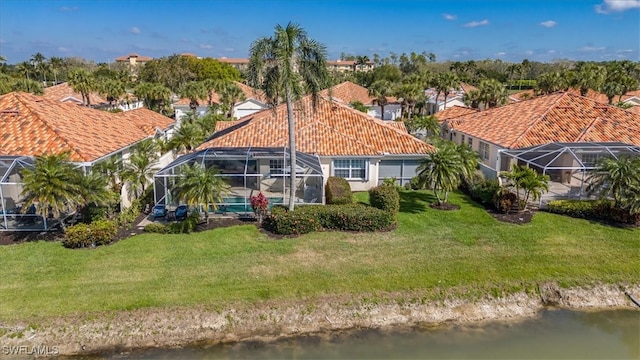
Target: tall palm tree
[
  {"x": 617, "y": 178},
  {"x": 25, "y": 69},
  {"x": 288, "y": 65},
  {"x": 186, "y": 137},
  {"x": 441, "y": 171},
  {"x": 53, "y": 184},
  {"x": 112, "y": 89},
  {"x": 83, "y": 82},
  {"x": 493, "y": 93},
  {"x": 56, "y": 64},
  {"x": 110, "y": 170},
  {"x": 551, "y": 82},
  {"x": 138, "y": 172},
  {"x": 589, "y": 76},
  {"x": 40, "y": 65},
  {"x": 360, "y": 62},
  {"x": 229, "y": 96},
  {"x": 381, "y": 90},
  {"x": 195, "y": 91},
  {"x": 154, "y": 95},
  {"x": 199, "y": 186}
]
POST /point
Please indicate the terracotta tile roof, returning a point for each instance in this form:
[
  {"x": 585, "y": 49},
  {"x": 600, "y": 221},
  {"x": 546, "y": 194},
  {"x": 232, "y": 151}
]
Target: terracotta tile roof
[
  {"x": 33, "y": 125},
  {"x": 467, "y": 87},
  {"x": 64, "y": 92},
  {"x": 522, "y": 95},
  {"x": 332, "y": 130},
  {"x": 249, "y": 93},
  {"x": 233, "y": 60},
  {"x": 560, "y": 117},
  {"x": 347, "y": 92},
  {"x": 453, "y": 112},
  {"x": 139, "y": 58}
]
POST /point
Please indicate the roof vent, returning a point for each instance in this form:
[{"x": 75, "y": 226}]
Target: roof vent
[{"x": 10, "y": 112}]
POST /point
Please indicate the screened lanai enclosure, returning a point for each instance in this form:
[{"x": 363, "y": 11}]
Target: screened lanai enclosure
[
  {"x": 17, "y": 216},
  {"x": 248, "y": 171},
  {"x": 567, "y": 164}
]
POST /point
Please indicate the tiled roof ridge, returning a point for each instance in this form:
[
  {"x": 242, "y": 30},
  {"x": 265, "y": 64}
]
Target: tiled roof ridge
[
  {"x": 19, "y": 97},
  {"x": 539, "y": 118},
  {"x": 588, "y": 128}
]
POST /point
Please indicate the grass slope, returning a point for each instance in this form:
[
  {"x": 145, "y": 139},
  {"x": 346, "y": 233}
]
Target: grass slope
[{"x": 435, "y": 253}]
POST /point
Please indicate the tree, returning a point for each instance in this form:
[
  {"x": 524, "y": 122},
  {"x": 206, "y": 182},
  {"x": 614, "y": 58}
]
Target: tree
[
  {"x": 552, "y": 82},
  {"x": 409, "y": 92},
  {"x": 589, "y": 76},
  {"x": 139, "y": 170},
  {"x": 52, "y": 185},
  {"x": 441, "y": 171},
  {"x": 186, "y": 137},
  {"x": 444, "y": 82},
  {"x": 493, "y": 93},
  {"x": 381, "y": 90},
  {"x": 286, "y": 65},
  {"x": 154, "y": 95},
  {"x": 83, "y": 82},
  {"x": 199, "y": 186},
  {"x": 112, "y": 89},
  {"x": 56, "y": 64},
  {"x": 526, "y": 179},
  {"x": 110, "y": 170},
  {"x": 617, "y": 178},
  {"x": 358, "y": 105},
  {"x": 195, "y": 91},
  {"x": 40, "y": 66},
  {"x": 361, "y": 62},
  {"x": 229, "y": 96},
  {"x": 429, "y": 124}
]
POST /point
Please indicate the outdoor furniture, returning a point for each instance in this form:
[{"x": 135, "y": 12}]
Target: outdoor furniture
[
  {"x": 159, "y": 211},
  {"x": 181, "y": 212}
]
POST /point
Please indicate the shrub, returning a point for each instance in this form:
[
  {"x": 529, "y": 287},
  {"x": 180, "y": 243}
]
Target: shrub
[
  {"x": 505, "y": 201},
  {"x": 306, "y": 219},
  {"x": 185, "y": 226},
  {"x": 338, "y": 191},
  {"x": 385, "y": 197},
  {"x": 97, "y": 233},
  {"x": 128, "y": 215},
  {"x": 593, "y": 209},
  {"x": 156, "y": 228},
  {"x": 260, "y": 205},
  {"x": 574, "y": 208}
]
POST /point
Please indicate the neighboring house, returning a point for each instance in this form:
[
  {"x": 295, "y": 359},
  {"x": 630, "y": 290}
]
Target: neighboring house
[
  {"x": 133, "y": 59},
  {"x": 34, "y": 126},
  {"x": 239, "y": 63},
  {"x": 348, "y": 92},
  {"x": 453, "y": 112},
  {"x": 575, "y": 130},
  {"x": 64, "y": 93},
  {"x": 454, "y": 98},
  {"x": 254, "y": 101},
  {"x": 631, "y": 98},
  {"x": 349, "y": 66},
  {"x": 350, "y": 144}
]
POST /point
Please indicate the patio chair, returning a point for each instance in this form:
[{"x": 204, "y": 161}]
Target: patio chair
[
  {"x": 159, "y": 211},
  {"x": 181, "y": 212}
]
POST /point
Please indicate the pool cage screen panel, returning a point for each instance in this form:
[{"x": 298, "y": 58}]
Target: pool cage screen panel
[
  {"x": 248, "y": 171},
  {"x": 13, "y": 216}
]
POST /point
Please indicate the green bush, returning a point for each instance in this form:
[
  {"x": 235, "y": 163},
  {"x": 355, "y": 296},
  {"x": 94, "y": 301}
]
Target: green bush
[
  {"x": 97, "y": 233},
  {"x": 185, "y": 226},
  {"x": 505, "y": 201},
  {"x": 338, "y": 191},
  {"x": 128, "y": 215},
  {"x": 306, "y": 219},
  {"x": 385, "y": 197},
  {"x": 156, "y": 228},
  {"x": 593, "y": 209}
]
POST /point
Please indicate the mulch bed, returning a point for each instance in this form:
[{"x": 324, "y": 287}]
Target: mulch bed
[
  {"x": 521, "y": 217},
  {"x": 444, "y": 206}
]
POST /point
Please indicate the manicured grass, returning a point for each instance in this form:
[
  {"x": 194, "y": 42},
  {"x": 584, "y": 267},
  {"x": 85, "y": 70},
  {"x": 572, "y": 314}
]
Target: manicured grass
[{"x": 435, "y": 253}]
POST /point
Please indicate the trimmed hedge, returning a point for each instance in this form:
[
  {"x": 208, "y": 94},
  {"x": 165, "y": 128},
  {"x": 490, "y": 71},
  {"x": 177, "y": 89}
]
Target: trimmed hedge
[
  {"x": 593, "y": 209},
  {"x": 97, "y": 233},
  {"x": 338, "y": 191},
  {"x": 385, "y": 197},
  {"x": 310, "y": 218},
  {"x": 156, "y": 228}
]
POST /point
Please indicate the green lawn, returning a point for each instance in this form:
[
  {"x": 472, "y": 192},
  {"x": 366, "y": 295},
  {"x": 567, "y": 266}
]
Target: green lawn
[{"x": 435, "y": 253}]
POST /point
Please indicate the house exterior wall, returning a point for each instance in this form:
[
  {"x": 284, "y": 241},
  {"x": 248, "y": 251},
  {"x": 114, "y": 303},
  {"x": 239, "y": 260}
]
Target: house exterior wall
[
  {"x": 391, "y": 112},
  {"x": 247, "y": 107},
  {"x": 489, "y": 165}
]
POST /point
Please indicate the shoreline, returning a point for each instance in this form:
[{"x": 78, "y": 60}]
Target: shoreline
[{"x": 120, "y": 331}]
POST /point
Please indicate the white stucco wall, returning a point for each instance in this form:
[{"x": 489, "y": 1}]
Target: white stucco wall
[{"x": 391, "y": 112}]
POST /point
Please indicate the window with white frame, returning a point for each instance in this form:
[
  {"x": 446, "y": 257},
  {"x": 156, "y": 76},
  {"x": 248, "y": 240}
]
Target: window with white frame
[
  {"x": 590, "y": 159},
  {"x": 470, "y": 140},
  {"x": 483, "y": 149},
  {"x": 276, "y": 166},
  {"x": 350, "y": 168}
]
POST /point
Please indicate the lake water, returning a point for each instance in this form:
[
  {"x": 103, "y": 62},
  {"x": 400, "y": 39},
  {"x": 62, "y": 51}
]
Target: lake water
[{"x": 555, "y": 334}]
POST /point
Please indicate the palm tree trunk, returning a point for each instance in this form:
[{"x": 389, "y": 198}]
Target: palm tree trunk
[{"x": 292, "y": 149}]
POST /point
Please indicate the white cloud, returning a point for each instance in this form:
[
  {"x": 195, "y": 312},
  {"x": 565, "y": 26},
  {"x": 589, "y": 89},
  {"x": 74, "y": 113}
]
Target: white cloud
[
  {"x": 549, "y": 23},
  {"x": 449, "y": 17},
  {"x": 501, "y": 53},
  {"x": 592, "y": 48},
  {"x": 528, "y": 52},
  {"x": 69, "y": 8},
  {"x": 609, "y": 6},
  {"x": 551, "y": 52},
  {"x": 206, "y": 46},
  {"x": 63, "y": 49},
  {"x": 477, "y": 23},
  {"x": 134, "y": 30}
]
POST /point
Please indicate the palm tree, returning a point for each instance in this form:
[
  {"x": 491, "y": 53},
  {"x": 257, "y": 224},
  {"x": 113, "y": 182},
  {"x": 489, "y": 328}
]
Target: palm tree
[
  {"x": 493, "y": 93},
  {"x": 526, "y": 179},
  {"x": 110, "y": 170},
  {"x": 56, "y": 63},
  {"x": 25, "y": 69},
  {"x": 381, "y": 90},
  {"x": 551, "y": 82},
  {"x": 52, "y": 185},
  {"x": 83, "y": 82},
  {"x": 138, "y": 171},
  {"x": 444, "y": 83},
  {"x": 229, "y": 96},
  {"x": 410, "y": 92},
  {"x": 154, "y": 95},
  {"x": 186, "y": 137},
  {"x": 360, "y": 62},
  {"x": 199, "y": 186},
  {"x": 512, "y": 69},
  {"x": 95, "y": 190},
  {"x": 40, "y": 65},
  {"x": 112, "y": 89},
  {"x": 617, "y": 178},
  {"x": 524, "y": 68},
  {"x": 441, "y": 170},
  {"x": 286, "y": 65},
  {"x": 195, "y": 91},
  {"x": 589, "y": 76}
]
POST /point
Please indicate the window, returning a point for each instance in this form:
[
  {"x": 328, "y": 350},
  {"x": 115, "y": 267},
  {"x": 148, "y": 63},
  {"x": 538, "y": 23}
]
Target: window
[
  {"x": 275, "y": 167},
  {"x": 483, "y": 149},
  {"x": 590, "y": 159},
  {"x": 350, "y": 168},
  {"x": 470, "y": 142},
  {"x": 462, "y": 141}
]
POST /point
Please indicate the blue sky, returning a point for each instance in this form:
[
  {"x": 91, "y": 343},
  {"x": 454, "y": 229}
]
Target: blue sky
[{"x": 511, "y": 30}]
